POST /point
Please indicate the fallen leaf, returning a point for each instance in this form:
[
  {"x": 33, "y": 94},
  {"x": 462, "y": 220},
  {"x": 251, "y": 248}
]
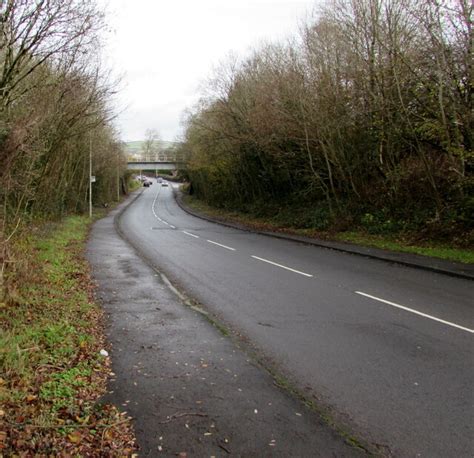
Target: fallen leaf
[
  {"x": 75, "y": 437},
  {"x": 108, "y": 434}
]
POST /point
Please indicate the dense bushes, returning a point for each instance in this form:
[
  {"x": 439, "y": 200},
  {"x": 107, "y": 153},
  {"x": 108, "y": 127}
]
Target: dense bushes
[{"x": 367, "y": 112}]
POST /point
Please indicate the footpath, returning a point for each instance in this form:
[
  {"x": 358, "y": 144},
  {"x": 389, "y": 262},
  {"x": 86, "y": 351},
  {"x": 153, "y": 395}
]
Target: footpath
[{"x": 190, "y": 390}]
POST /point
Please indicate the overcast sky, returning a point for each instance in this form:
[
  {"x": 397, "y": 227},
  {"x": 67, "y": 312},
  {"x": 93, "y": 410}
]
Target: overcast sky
[{"x": 164, "y": 49}]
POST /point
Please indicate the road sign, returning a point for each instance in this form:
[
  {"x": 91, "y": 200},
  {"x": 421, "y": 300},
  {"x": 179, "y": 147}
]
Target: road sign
[{"x": 92, "y": 178}]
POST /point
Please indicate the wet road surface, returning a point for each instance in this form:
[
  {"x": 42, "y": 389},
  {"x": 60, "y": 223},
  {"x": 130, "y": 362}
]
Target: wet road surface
[
  {"x": 388, "y": 348},
  {"x": 189, "y": 389}
]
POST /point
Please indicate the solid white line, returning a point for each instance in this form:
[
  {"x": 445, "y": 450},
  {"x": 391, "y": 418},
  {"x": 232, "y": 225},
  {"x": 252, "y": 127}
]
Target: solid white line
[
  {"x": 223, "y": 246},
  {"x": 189, "y": 233},
  {"x": 416, "y": 312},
  {"x": 283, "y": 267},
  {"x": 165, "y": 222}
]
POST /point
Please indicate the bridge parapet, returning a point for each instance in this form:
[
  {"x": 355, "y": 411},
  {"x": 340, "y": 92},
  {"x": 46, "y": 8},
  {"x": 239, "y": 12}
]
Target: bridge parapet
[
  {"x": 149, "y": 165},
  {"x": 157, "y": 157}
]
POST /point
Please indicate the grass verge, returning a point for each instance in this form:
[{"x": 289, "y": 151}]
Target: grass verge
[
  {"x": 52, "y": 371},
  {"x": 435, "y": 250},
  {"x": 386, "y": 242}
]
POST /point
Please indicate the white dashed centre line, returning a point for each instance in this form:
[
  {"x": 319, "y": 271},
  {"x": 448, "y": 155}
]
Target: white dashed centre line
[
  {"x": 191, "y": 235},
  {"x": 283, "y": 267},
  {"x": 416, "y": 312},
  {"x": 223, "y": 246}
]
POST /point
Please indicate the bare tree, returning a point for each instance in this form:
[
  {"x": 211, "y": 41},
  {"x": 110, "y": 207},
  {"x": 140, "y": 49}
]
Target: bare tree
[{"x": 151, "y": 145}]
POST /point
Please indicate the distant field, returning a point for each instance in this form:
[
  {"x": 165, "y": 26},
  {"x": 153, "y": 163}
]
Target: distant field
[{"x": 135, "y": 147}]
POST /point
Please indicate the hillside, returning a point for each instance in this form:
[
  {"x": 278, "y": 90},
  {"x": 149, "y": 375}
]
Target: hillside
[{"x": 135, "y": 147}]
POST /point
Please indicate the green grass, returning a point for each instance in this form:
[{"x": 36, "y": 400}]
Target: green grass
[
  {"x": 133, "y": 185},
  {"x": 436, "y": 250},
  {"x": 48, "y": 347},
  {"x": 41, "y": 329},
  {"x": 52, "y": 373},
  {"x": 388, "y": 242}
]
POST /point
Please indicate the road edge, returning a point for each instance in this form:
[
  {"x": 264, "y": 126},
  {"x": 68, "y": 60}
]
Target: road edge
[{"x": 440, "y": 266}]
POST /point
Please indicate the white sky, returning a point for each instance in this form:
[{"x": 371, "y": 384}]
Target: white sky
[{"x": 164, "y": 49}]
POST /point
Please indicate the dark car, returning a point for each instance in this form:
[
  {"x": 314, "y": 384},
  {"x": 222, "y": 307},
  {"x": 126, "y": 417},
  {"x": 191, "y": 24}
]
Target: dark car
[{"x": 146, "y": 184}]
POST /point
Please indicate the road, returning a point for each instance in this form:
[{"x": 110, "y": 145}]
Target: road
[{"x": 388, "y": 348}]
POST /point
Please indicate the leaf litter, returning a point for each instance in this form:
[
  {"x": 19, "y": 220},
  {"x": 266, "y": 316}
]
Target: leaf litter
[{"x": 53, "y": 356}]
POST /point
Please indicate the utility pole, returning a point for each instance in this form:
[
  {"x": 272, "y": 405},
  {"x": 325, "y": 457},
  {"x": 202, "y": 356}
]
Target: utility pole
[
  {"x": 90, "y": 175},
  {"x": 118, "y": 174}
]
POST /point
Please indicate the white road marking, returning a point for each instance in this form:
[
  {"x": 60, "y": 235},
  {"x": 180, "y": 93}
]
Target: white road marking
[
  {"x": 189, "y": 233},
  {"x": 416, "y": 312},
  {"x": 223, "y": 246},
  {"x": 154, "y": 213},
  {"x": 283, "y": 267}
]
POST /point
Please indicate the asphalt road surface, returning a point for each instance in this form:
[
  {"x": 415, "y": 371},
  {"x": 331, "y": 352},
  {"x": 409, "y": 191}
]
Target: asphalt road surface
[{"x": 388, "y": 348}]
